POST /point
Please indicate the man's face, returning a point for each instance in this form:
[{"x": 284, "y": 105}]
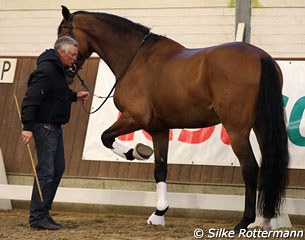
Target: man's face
[{"x": 69, "y": 57}]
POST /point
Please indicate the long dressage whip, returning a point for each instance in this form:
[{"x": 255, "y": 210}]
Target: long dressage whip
[{"x": 30, "y": 152}]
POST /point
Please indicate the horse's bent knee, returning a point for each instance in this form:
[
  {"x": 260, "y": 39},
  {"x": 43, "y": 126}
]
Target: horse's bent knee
[{"x": 106, "y": 140}]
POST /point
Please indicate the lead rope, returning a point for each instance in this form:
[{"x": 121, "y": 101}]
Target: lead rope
[
  {"x": 93, "y": 94},
  {"x": 117, "y": 79}
]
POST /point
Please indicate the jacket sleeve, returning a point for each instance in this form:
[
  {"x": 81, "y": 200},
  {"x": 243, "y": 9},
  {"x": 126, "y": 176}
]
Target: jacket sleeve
[
  {"x": 73, "y": 95},
  {"x": 38, "y": 87}
]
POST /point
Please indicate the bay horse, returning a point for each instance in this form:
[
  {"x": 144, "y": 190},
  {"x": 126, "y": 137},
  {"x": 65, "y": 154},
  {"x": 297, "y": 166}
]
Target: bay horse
[{"x": 161, "y": 85}]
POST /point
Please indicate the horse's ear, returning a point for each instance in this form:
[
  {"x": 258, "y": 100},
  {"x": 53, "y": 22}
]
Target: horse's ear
[{"x": 65, "y": 12}]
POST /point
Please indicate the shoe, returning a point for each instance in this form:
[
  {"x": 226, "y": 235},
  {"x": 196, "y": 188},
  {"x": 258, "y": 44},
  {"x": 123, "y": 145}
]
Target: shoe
[
  {"x": 43, "y": 224},
  {"x": 51, "y": 220}
]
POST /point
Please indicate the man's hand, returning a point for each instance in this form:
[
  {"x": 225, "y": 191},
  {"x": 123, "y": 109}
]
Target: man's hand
[
  {"x": 26, "y": 136},
  {"x": 83, "y": 95}
]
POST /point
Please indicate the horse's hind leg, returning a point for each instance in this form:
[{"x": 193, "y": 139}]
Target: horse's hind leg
[
  {"x": 243, "y": 150},
  {"x": 124, "y": 125},
  {"x": 160, "y": 141}
]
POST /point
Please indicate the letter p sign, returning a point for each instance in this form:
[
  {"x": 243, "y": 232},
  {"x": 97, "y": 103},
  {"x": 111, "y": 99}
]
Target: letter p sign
[{"x": 7, "y": 70}]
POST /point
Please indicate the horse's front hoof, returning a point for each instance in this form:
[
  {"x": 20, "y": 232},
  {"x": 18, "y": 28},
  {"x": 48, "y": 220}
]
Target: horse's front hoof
[
  {"x": 156, "y": 220},
  {"x": 142, "y": 152}
]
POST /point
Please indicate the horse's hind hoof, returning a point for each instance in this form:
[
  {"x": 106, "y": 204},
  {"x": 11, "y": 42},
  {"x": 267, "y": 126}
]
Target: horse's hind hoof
[
  {"x": 240, "y": 226},
  {"x": 156, "y": 220},
  {"x": 142, "y": 152}
]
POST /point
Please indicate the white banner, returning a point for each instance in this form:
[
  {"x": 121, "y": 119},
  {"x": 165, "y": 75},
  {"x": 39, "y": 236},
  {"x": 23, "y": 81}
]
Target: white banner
[{"x": 208, "y": 146}]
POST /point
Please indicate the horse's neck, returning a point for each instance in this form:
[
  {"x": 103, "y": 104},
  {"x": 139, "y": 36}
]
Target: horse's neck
[
  {"x": 115, "y": 51},
  {"x": 116, "y": 58}
]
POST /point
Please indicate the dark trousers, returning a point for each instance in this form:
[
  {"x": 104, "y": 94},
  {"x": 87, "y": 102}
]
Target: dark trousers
[{"x": 50, "y": 168}]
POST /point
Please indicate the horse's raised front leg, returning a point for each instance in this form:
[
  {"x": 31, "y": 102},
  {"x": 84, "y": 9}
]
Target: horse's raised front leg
[
  {"x": 160, "y": 141},
  {"x": 243, "y": 150},
  {"x": 124, "y": 125}
]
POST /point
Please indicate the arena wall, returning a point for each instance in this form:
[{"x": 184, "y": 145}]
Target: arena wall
[
  {"x": 193, "y": 23},
  {"x": 29, "y": 27}
]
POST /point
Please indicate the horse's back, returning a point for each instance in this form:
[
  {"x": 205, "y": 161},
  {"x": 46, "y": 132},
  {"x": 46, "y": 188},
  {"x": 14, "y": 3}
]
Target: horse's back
[{"x": 199, "y": 87}]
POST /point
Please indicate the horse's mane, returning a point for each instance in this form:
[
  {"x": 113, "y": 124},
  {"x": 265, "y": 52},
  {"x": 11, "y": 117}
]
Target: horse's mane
[{"x": 119, "y": 20}]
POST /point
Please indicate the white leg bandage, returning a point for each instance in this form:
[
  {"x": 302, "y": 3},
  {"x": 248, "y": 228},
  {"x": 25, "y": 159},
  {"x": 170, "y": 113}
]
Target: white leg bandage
[
  {"x": 162, "y": 204},
  {"x": 140, "y": 152},
  {"x": 119, "y": 149},
  {"x": 162, "y": 199}
]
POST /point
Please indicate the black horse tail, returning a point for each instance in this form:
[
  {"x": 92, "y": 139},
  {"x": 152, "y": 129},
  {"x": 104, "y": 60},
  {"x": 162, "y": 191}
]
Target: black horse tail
[{"x": 273, "y": 177}]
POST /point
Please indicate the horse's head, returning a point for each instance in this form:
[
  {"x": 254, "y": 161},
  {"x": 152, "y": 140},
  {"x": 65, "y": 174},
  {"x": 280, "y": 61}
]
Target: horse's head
[
  {"x": 115, "y": 39},
  {"x": 69, "y": 27}
]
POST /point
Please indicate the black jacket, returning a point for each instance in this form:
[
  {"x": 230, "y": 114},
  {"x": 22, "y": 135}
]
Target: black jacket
[{"x": 48, "y": 97}]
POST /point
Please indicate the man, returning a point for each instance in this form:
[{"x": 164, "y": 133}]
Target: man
[{"x": 45, "y": 108}]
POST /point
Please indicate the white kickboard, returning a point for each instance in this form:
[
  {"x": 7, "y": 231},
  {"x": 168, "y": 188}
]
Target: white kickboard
[{"x": 5, "y": 204}]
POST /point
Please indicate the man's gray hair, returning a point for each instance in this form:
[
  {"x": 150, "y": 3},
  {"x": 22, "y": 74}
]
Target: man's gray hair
[{"x": 63, "y": 43}]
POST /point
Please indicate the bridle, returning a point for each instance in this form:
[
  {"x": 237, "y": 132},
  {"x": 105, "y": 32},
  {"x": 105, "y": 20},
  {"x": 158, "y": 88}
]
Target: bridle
[
  {"x": 75, "y": 68},
  {"x": 69, "y": 26}
]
